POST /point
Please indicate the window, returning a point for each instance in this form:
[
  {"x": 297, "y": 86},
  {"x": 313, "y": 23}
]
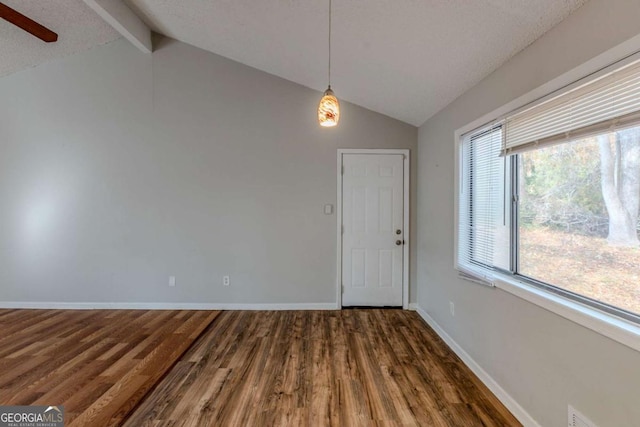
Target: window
[
  {"x": 484, "y": 232},
  {"x": 551, "y": 195}
]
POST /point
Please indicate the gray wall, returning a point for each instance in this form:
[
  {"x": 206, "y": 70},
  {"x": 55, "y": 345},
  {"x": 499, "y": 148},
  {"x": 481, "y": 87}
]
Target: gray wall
[
  {"x": 543, "y": 360},
  {"x": 118, "y": 169}
]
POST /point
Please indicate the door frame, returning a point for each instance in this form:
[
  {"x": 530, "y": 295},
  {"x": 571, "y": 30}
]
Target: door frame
[{"x": 406, "y": 153}]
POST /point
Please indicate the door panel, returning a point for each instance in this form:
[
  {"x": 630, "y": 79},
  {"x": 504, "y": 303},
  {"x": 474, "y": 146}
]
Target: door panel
[{"x": 373, "y": 211}]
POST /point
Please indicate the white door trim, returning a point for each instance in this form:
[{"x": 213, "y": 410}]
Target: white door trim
[{"x": 405, "y": 232}]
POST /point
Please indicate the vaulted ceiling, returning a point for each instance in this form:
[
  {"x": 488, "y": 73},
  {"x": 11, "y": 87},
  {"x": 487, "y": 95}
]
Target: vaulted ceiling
[{"x": 406, "y": 59}]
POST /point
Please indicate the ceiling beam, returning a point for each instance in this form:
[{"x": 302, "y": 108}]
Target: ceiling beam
[
  {"x": 125, "y": 21},
  {"x": 27, "y": 24}
]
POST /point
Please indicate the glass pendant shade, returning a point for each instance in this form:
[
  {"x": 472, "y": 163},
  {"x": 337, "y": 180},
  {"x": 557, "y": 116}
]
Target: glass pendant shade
[{"x": 329, "y": 109}]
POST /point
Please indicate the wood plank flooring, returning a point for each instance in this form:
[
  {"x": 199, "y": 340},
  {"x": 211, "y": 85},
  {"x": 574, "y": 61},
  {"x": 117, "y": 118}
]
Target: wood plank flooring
[
  {"x": 329, "y": 368},
  {"x": 99, "y": 364}
]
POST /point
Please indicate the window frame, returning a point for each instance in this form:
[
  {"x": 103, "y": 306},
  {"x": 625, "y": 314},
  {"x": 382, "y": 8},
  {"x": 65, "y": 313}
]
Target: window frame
[
  {"x": 473, "y": 267},
  {"x": 512, "y": 173},
  {"x": 615, "y": 323},
  {"x": 470, "y": 196},
  {"x": 550, "y": 287},
  {"x": 472, "y": 270}
]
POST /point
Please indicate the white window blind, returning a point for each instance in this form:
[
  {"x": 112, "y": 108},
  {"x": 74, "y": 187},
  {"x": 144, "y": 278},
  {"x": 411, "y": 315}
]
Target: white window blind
[
  {"x": 609, "y": 102},
  {"x": 481, "y": 203}
]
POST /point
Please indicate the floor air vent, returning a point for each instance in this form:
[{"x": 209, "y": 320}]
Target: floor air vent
[{"x": 576, "y": 419}]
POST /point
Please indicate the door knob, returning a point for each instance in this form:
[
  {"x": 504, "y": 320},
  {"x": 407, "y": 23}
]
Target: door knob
[{"x": 398, "y": 242}]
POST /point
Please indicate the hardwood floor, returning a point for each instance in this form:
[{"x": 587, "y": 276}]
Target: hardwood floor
[
  {"x": 329, "y": 368},
  {"x": 98, "y": 364}
]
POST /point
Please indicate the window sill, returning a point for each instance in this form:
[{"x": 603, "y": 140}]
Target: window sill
[{"x": 612, "y": 327}]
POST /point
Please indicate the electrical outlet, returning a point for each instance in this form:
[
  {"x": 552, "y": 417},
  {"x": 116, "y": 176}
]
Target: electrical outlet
[
  {"x": 172, "y": 281},
  {"x": 452, "y": 308},
  {"x": 225, "y": 280}
]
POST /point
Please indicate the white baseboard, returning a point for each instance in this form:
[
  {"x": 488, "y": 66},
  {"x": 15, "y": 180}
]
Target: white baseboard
[
  {"x": 413, "y": 306},
  {"x": 518, "y": 411},
  {"x": 161, "y": 306}
]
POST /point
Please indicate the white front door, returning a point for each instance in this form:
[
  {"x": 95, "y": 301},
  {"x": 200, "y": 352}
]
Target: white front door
[{"x": 372, "y": 233}]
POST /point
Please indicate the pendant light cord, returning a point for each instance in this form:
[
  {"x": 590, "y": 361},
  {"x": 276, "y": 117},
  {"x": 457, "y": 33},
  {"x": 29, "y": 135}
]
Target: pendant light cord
[{"x": 329, "y": 43}]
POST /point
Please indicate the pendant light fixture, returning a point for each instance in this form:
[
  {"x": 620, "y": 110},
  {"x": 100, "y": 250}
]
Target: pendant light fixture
[{"x": 329, "y": 108}]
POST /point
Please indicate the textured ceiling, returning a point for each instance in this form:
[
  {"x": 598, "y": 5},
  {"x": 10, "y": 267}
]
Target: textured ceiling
[
  {"x": 78, "y": 27},
  {"x": 407, "y": 59}
]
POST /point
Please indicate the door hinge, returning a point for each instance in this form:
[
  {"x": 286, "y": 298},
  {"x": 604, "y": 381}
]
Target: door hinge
[
  {"x": 342, "y": 286},
  {"x": 342, "y": 229},
  {"x": 342, "y": 170}
]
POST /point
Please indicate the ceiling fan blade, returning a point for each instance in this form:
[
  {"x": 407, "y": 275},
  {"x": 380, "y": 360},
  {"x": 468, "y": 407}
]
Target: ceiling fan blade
[{"x": 27, "y": 24}]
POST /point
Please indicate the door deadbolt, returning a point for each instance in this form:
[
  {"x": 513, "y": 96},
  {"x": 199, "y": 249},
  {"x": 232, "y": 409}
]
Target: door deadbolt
[{"x": 398, "y": 231}]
